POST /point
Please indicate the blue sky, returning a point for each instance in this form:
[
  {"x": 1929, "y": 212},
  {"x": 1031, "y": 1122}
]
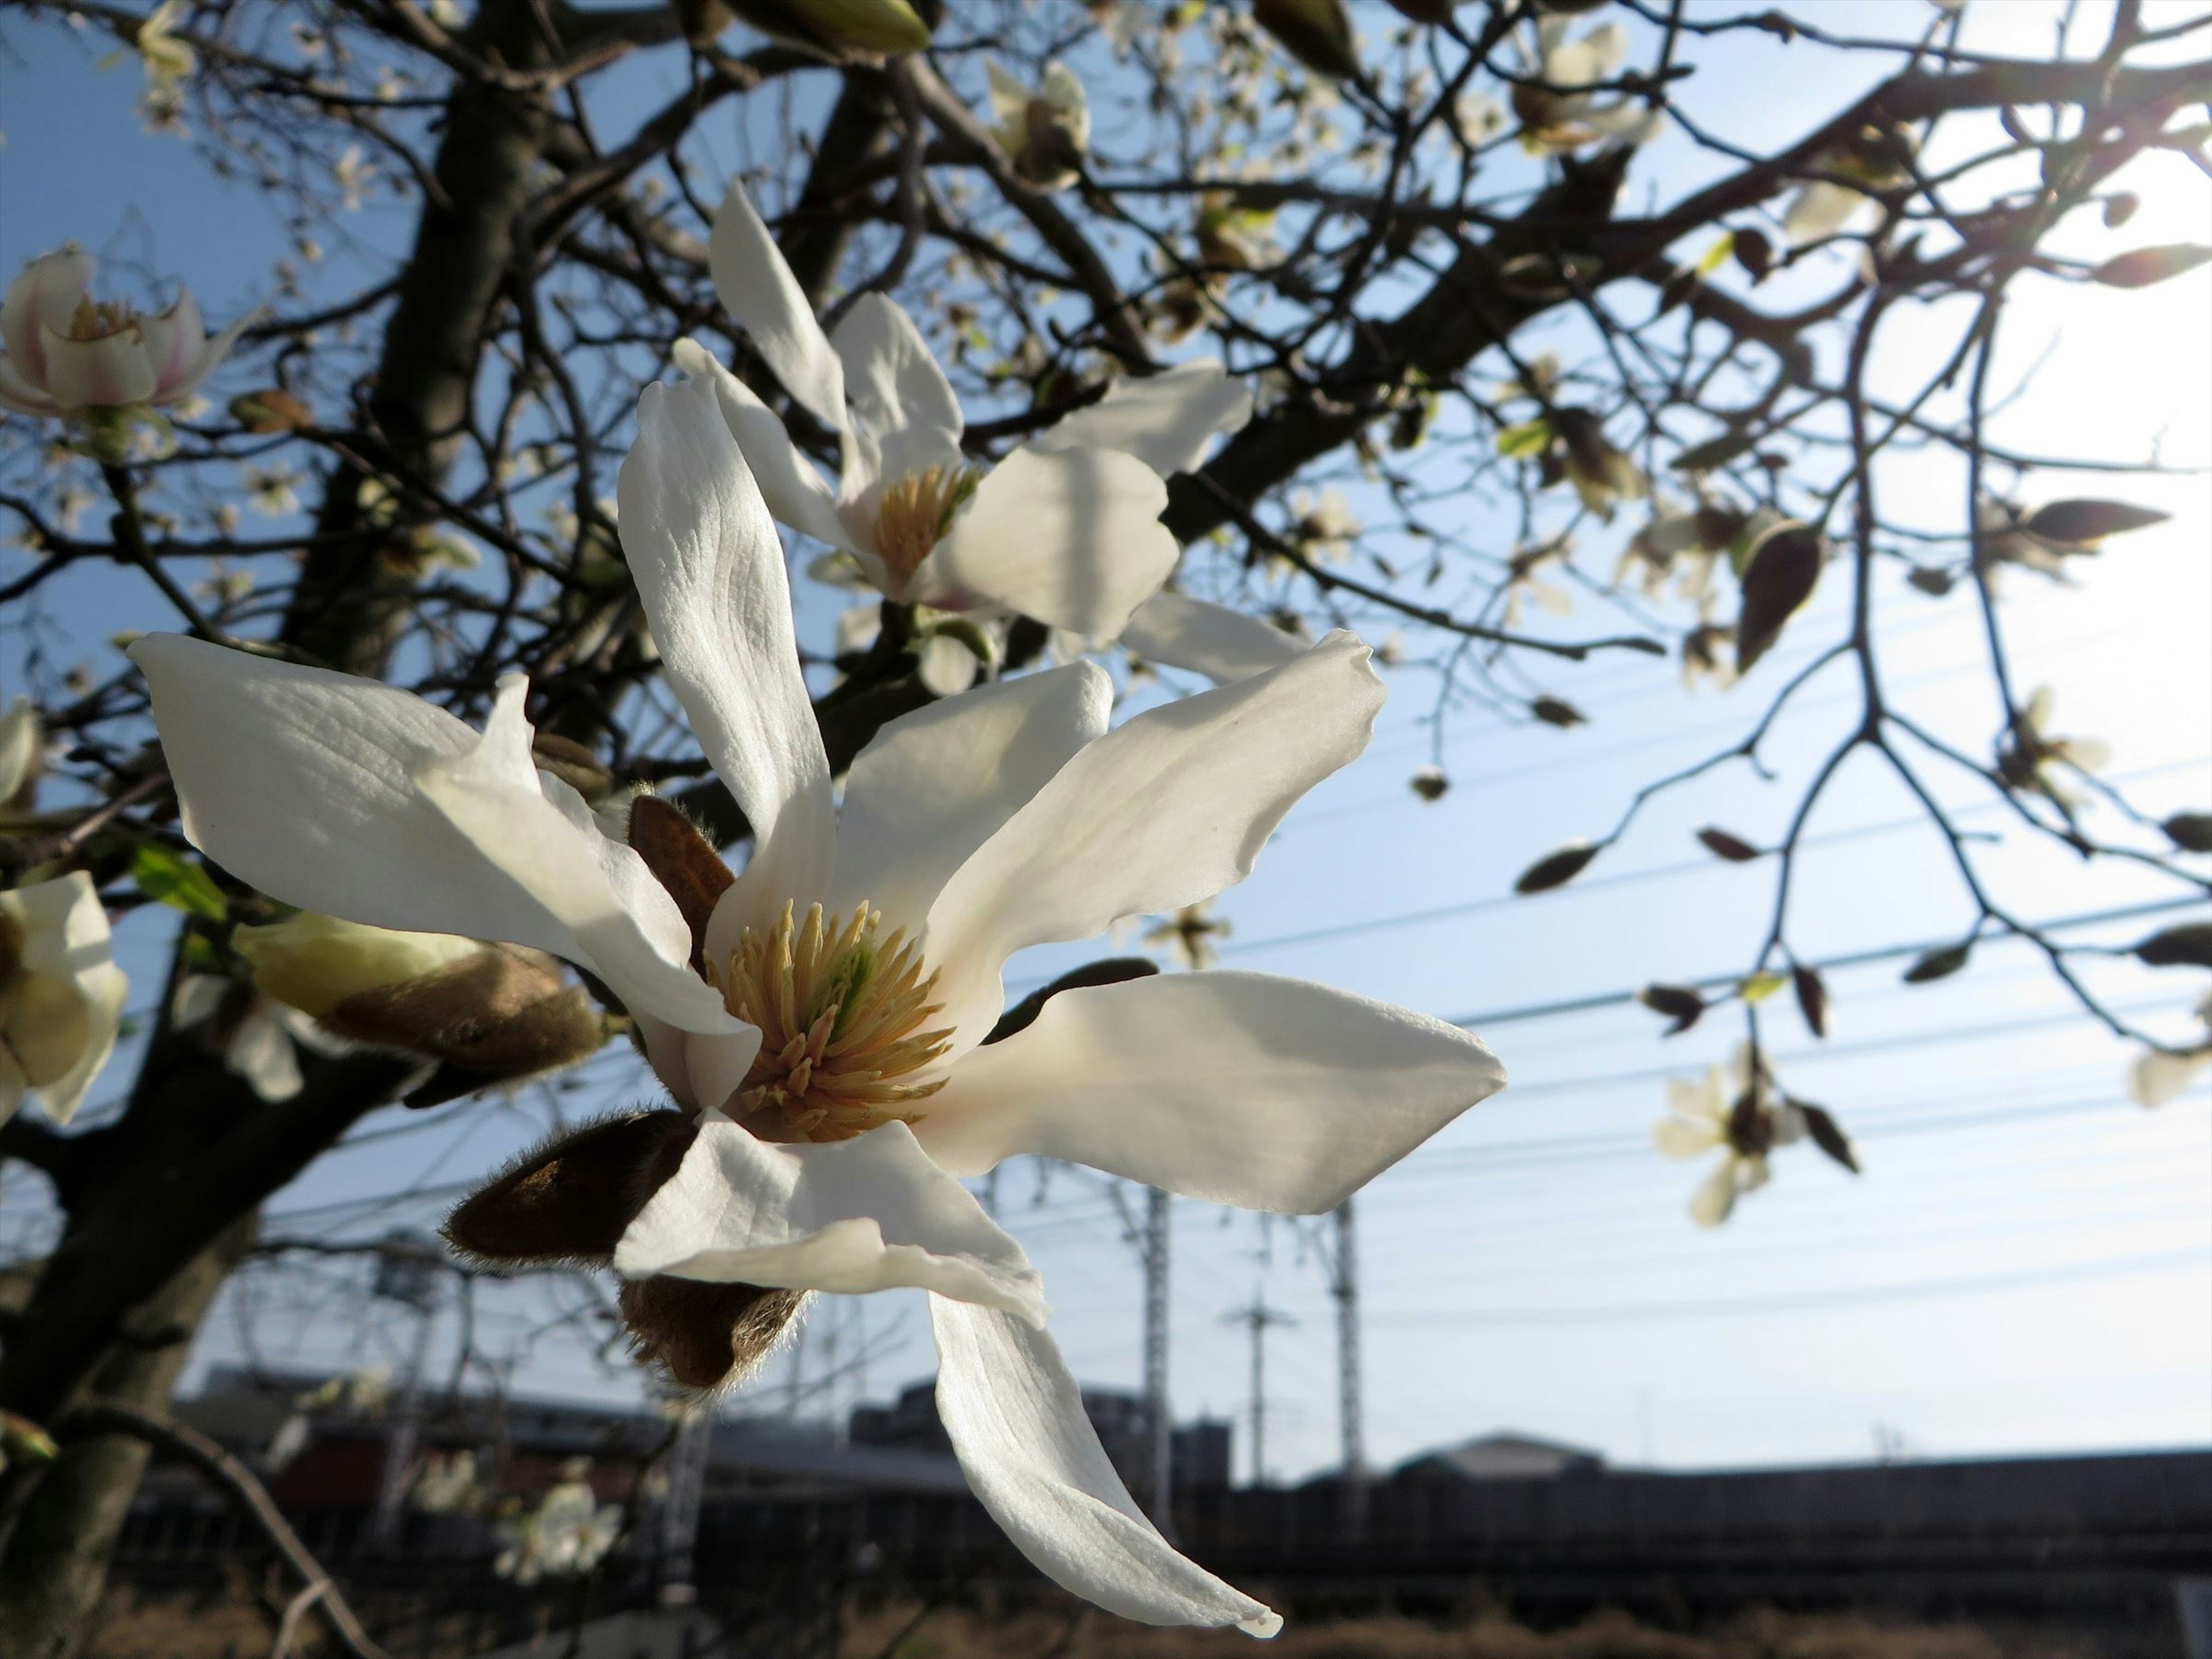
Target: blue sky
[{"x": 2026, "y": 1264}]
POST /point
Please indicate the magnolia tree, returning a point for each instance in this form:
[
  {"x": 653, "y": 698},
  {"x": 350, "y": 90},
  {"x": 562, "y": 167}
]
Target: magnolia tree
[{"x": 1180, "y": 357}]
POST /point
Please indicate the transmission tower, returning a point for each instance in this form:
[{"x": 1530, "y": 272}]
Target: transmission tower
[
  {"x": 1255, "y": 1319},
  {"x": 1352, "y": 1483},
  {"x": 1161, "y": 1424}
]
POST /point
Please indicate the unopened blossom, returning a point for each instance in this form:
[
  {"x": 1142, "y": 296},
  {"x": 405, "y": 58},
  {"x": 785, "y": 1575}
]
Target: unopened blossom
[
  {"x": 1878, "y": 157},
  {"x": 1736, "y": 1112},
  {"x": 840, "y": 30},
  {"x": 2030, "y": 757},
  {"x": 822, "y": 1018},
  {"x": 1065, "y": 529},
  {"x": 1560, "y": 115},
  {"x": 70, "y": 355},
  {"x": 1044, "y": 132},
  {"x": 2162, "y": 1074},
  {"x": 1601, "y": 471},
  {"x": 61, "y": 994}
]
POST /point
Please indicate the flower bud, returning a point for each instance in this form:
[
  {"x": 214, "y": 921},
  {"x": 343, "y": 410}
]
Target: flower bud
[
  {"x": 835, "y": 28},
  {"x": 314, "y": 963},
  {"x": 61, "y": 994},
  {"x": 71, "y": 356}
]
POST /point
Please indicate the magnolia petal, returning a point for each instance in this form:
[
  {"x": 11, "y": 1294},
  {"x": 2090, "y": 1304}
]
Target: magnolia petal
[
  {"x": 945, "y": 666},
  {"x": 1236, "y": 1088},
  {"x": 1677, "y": 1136},
  {"x": 174, "y": 340},
  {"x": 261, "y": 1053},
  {"x": 64, "y": 950},
  {"x": 540, "y": 833},
  {"x": 1017, "y": 1423},
  {"x": 111, "y": 372},
  {"x": 1161, "y": 813},
  {"x": 935, "y": 785},
  {"x": 1211, "y": 640},
  {"x": 1818, "y": 210},
  {"x": 301, "y": 782},
  {"x": 203, "y": 363},
  {"x": 871, "y": 1213},
  {"x": 19, "y": 394},
  {"x": 1073, "y": 539},
  {"x": 43, "y": 297},
  {"x": 898, "y": 390},
  {"x": 795, "y": 493},
  {"x": 1715, "y": 1195},
  {"x": 710, "y": 572},
  {"x": 1166, "y": 420},
  {"x": 758, "y": 289},
  {"x": 2157, "y": 1077}
]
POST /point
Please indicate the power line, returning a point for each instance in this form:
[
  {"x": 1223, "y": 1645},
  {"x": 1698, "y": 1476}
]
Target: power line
[{"x": 1798, "y": 1301}]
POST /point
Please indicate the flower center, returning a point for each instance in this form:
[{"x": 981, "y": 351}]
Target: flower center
[
  {"x": 841, "y": 1015},
  {"x": 95, "y": 319},
  {"x": 916, "y": 510}
]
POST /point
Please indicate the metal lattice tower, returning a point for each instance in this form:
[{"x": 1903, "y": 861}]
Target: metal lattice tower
[
  {"x": 1161, "y": 1420},
  {"x": 1255, "y": 1319},
  {"x": 1345, "y": 1286}
]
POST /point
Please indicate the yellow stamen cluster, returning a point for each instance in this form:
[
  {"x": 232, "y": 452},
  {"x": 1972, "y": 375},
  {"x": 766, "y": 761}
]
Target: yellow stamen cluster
[
  {"x": 915, "y": 511},
  {"x": 96, "y": 320},
  {"x": 841, "y": 1015}
]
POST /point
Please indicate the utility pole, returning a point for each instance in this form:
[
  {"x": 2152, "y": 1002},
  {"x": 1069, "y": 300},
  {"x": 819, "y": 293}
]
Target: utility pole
[
  {"x": 1161, "y": 1422},
  {"x": 679, "y": 1512},
  {"x": 407, "y": 1268},
  {"x": 1255, "y": 1319},
  {"x": 1352, "y": 1487}
]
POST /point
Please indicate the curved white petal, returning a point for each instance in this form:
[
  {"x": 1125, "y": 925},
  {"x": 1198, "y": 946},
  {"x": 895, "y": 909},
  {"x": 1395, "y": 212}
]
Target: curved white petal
[
  {"x": 1211, "y": 640},
  {"x": 1677, "y": 1136},
  {"x": 19, "y": 394},
  {"x": 1818, "y": 210},
  {"x": 795, "y": 493},
  {"x": 41, "y": 298},
  {"x": 898, "y": 391},
  {"x": 174, "y": 340},
  {"x": 1073, "y": 539},
  {"x": 261, "y": 1052},
  {"x": 1166, "y": 420},
  {"x": 1238, "y": 1087},
  {"x": 1159, "y": 813},
  {"x": 757, "y": 290},
  {"x": 65, "y": 961},
  {"x": 1017, "y": 1425},
  {"x": 538, "y": 831},
  {"x": 945, "y": 666},
  {"x": 302, "y": 783},
  {"x": 110, "y": 372},
  {"x": 204, "y": 362},
  {"x": 709, "y": 571},
  {"x": 871, "y": 1213},
  {"x": 1716, "y": 1194},
  {"x": 934, "y": 785}
]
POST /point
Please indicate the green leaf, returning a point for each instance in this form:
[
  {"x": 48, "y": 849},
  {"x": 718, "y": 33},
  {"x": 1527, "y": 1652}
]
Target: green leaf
[
  {"x": 1759, "y": 987},
  {"x": 2147, "y": 266},
  {"x": 1556, "y": 869},
  {"x": 164, "y": 876},
  {"x": 1525, "y": 442},
  {"x": 1938, "y": 964},
  {"x": 1717, "y": 254}
]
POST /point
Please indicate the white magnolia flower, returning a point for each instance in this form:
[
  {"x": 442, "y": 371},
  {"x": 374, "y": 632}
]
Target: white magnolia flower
[
  {"x": 352, "y": 173},
  {"x": 832, "y": 1043},
  {"x": 1725, "y": 1109},
  {"x": 168, "y": 61},
  {"x": 1044, "y": 132},
  {"x": 270, "y": 490},
  {"x": 569, "y": 1532},
  {"x": 1556, "y": 116},
  {"x": 256, "y": 1032},
  {"x": 1065, "y": 529},
  {"x": 447, "y": 1484},
  {"x": 2031, "y": 759},
  {"x": 61, "y": 994},
  {"x": 2159, "y": 1076},
  {"x": 69, "y": 354}
]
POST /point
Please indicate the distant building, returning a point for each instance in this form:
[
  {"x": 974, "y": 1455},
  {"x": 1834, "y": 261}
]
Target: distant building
[
  {"x": 1198, "y": 1452},
  {"x": 1503, "y": 1455}
]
